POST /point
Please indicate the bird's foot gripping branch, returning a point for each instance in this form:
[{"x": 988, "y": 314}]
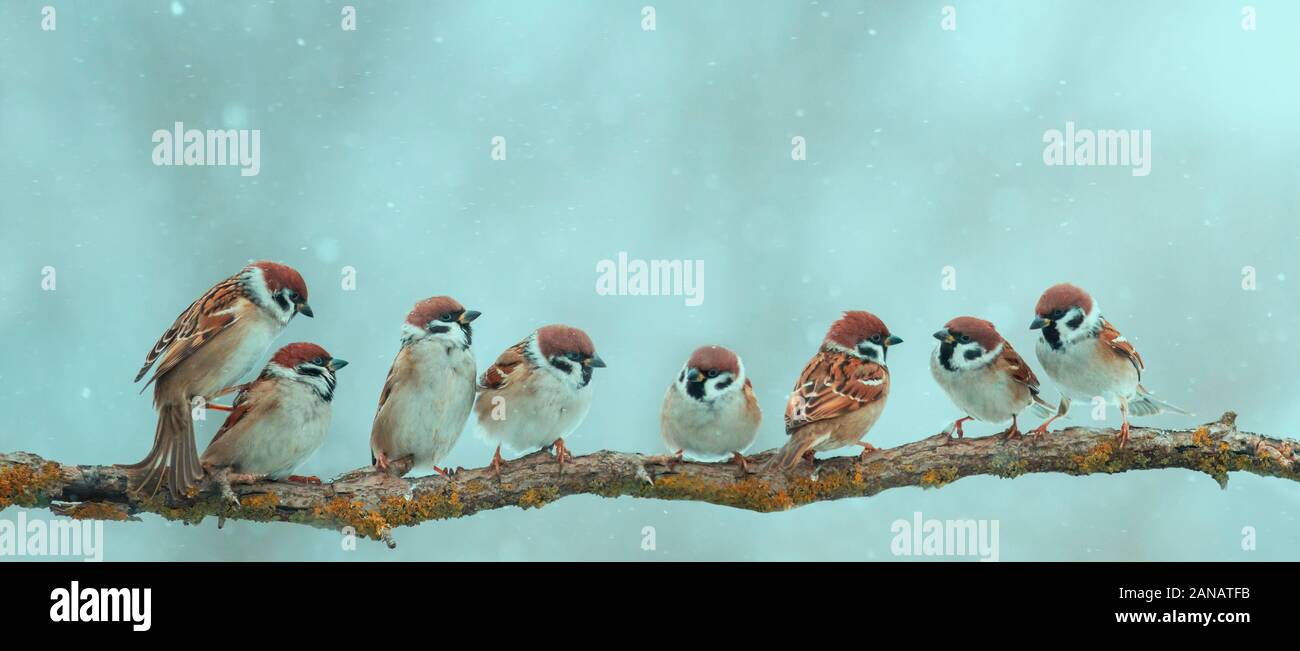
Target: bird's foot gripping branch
[{"x": 372, "y": 504}]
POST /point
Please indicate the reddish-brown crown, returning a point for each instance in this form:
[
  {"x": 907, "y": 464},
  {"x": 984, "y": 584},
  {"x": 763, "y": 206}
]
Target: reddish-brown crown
[
  {"x": 297, "y": 353},
  {"x": 432, "y": 309},
  {"x": 560, "y": 339},
  {"x": 714, "y": 358},
  {"x": 1063, "y": 297},
  {"x": 280, "y": 276},
  {"x": 855, "y": 326},
  {"x": 977, "y": 329}
]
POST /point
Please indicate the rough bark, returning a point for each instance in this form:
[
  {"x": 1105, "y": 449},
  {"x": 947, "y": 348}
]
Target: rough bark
[{"x": 374, "y": 503}]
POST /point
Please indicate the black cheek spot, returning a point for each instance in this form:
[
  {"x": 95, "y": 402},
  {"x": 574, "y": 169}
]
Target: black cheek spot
[
  {"x": 439, "y": 329},
  {"x": 724, "y": 384},
  {"x": 282, "y": 302},
  {"x": 1075, "y": 322},
  {"x": 564, "y": 366},
  {"x": 682, "y": 376},
  {"x": 972, "y": 354}
]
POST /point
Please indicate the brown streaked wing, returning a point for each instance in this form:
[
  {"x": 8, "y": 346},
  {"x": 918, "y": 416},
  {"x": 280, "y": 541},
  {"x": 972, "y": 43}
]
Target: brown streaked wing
[
  {"x": 1015, "y": 365},
  {"x": 389, "y": 382},
  {"x": 241, "y": 407},
  {"x": 1120, "y": 345},
  {"x": 497, "y": 376},
  {"x": 833, "y": 384},
  {"x": 751, "y": 401},
  {"x": 196, "y": 326}
]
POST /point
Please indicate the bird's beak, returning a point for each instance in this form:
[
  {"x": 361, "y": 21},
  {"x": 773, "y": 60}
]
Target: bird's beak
[
  {"x": 693, "y": 375},
  {"x": 595, "y": 362},
  {"x": 944, "y": 336},
  {"x": 1039, "y": 323},
  {"x": 336, "y": 364},
  {"x": 305, "y": 310},
  {"x": 893, "y": 340},
  {"x": 469, "y": 315}
]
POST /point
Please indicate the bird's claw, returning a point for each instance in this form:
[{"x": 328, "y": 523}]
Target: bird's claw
[
  {"x": 739, "y": 459},
  {"x": 497, "y": 462},
  {"x": 867, "y": 450},
  {"x": 561, "y": 452}
]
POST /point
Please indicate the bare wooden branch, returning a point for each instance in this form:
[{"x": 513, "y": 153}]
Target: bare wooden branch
[{"x": 374, "y": 503}]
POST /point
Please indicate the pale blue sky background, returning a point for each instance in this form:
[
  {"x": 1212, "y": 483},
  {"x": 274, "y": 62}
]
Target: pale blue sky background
[{"x": 924, "y": 151}]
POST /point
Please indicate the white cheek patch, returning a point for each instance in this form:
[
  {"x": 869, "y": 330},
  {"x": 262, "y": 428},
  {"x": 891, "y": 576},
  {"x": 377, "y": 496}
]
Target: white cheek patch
[
  {"x": 411, "y": 333},
  {"x": 534, "y": 351},
  {"x": 727, "y": 381},
  {"x": 1090, "y": 325},
  {"x": 454, "y": 334},
  {"x": 962, "y": 362},
  {"x": 255, "y": 281},
  {"x": 879, "y": 352}
]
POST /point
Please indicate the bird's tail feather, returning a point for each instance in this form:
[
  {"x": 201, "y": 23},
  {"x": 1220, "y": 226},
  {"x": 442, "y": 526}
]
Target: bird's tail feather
[
  {"x": 1146, "y": 404},
  {"x": 173, "y": 459},
  {"x": 1041, "y": 408},
  {"x": 1045, "y": 409},
  {"x": 790, "y": 454}
]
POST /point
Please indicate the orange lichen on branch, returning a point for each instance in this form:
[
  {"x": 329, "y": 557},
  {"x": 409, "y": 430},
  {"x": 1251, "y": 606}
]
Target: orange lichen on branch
[
  {"x": 1098, "y": 459},
  {"x": 372, "y": 506},
  {"x": 752, "y": 494},
  {"x": 399, "y": 510},
  {"x": 23, "y": 485},
  {"x": 536, "y": 498},
  {"x": 259, "y": 506},
  {"x": 347, "y": 513},
  {"x": 95, "y": 511},
  {"x": 1201, "y": 437},
  {"x": 939, "y": 477}
]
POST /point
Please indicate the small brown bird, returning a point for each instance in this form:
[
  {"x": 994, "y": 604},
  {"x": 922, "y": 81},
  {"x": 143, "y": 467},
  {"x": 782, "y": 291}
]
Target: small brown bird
[
  {"x": 216, "y": 341},
  {"x": 983, "y": 374},
  {"x": 710, "y": 412},
  {"x": 281, "y": 418},
  {"x": 841, "y": 391},
  {"x": 1087, "y": 357},
  {"x": 537, "y": 392},
  {"x": 430, "y": 388}
]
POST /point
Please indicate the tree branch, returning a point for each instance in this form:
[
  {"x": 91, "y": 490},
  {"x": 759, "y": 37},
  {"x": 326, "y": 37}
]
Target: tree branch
[{"x": 373, "y": 503}]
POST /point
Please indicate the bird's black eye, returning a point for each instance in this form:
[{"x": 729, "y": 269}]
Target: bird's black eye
[
  {"x": 319, "y": 361},
  {"x": 574, "y": 356},
  {"x": 965, "y": 339},
  {"x": 712, "y": 373},
  {"x": 1058, "y": 313},
  {"x": 875, "y": 338},
  {"x": 447, "y": 316}
]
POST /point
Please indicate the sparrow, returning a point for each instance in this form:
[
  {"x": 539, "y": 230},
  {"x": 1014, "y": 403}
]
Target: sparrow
[
  {"x": 430, "y": 388},
  {"x": 1087, "y": 357},
  {"x": 710, "y": 411},
  {"x": 983, "y": 374},
  {"x": 841, "y": 391},
  {"x": 537, "y": 392},
  {"x": 279, "y": 419},
  {"x": 217, "y": 340}
]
